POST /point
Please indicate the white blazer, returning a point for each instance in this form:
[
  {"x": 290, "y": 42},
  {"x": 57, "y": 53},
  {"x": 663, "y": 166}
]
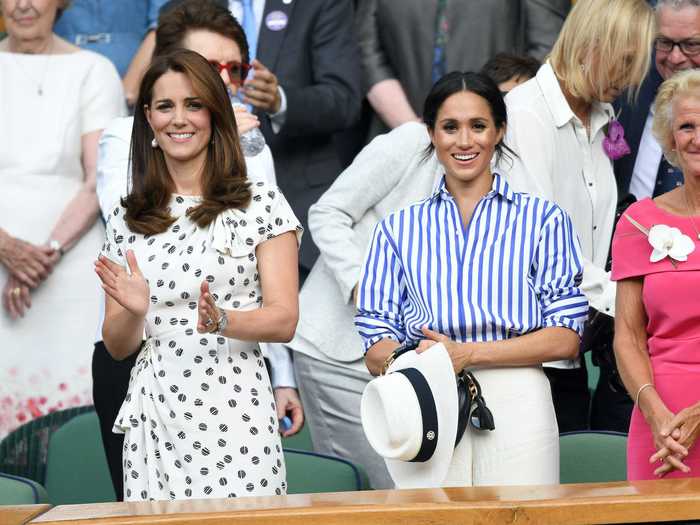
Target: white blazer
[{"x": 387, "y": 175}]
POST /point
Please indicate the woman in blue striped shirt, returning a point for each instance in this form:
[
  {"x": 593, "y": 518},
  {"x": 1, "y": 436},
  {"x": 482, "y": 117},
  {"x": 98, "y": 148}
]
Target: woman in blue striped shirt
[{"x": 492, "y": 274}]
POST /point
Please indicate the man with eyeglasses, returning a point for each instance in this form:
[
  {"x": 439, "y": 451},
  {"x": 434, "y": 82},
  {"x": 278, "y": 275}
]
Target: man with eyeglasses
[
  {"x": 641, "y": 174},
  {"x": 644, "y": 173}
]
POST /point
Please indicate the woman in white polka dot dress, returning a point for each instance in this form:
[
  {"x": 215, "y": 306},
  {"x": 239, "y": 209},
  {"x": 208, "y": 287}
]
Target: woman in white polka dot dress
[{"x": 206, "y": 265}]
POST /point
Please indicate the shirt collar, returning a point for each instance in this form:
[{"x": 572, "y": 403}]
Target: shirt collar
[
  {"x": 601, "y": 113},
  {"x": 498, "y": 187}
]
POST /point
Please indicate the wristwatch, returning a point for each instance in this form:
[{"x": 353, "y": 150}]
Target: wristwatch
[
  {"x": 406, "y": 346},
  {"x": 56, "y": 246},
  {"x": 222, "y": 322}
]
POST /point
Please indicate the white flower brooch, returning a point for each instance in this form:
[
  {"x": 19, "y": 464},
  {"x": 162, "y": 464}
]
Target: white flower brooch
[{"x": 666, "y": 241}]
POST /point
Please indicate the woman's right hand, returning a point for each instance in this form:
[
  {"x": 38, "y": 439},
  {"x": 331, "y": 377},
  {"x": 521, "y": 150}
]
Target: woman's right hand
[
  {"x": 245, "y": 120},
  {"x": 684, "y": 427},
  {"x": 130, "y": 291},
  {"x": 29, "y": 263},
  {"x": 670, "y": 452},
  {"x": 460, "y": 353}
]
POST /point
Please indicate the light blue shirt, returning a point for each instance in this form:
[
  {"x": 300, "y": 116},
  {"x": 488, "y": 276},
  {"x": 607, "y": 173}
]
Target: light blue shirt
[
  {"x": 513, "y": 269},
  {"x": 646, "y": 167},
  {"x": 113, "y": 28},
  {"x": 236, "y": 8}
]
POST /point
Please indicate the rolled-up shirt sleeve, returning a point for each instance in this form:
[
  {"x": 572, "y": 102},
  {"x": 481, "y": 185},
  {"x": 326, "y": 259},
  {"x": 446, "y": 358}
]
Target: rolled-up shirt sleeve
[
  {"x": 557, "y": 272},
  {"x": 381, "y": 291}
]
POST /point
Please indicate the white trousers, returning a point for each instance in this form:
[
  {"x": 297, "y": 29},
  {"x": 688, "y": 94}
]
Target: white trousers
[{"x": 524, "y": 447}]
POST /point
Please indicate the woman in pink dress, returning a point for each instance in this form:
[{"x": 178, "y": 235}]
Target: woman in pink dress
[{"x": 657, "y": 327}]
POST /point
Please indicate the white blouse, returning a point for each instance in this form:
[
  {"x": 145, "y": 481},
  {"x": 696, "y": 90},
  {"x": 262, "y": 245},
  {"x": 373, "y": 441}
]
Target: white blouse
[{"x": 557, "y": 160}]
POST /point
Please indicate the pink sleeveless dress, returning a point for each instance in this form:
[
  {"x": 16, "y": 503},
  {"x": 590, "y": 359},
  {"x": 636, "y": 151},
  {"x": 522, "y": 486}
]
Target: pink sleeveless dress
[{"x": 671, "y": 297}]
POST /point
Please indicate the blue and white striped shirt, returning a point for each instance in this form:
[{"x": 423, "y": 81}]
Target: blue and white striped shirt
[{"x": 513, "y": 269}]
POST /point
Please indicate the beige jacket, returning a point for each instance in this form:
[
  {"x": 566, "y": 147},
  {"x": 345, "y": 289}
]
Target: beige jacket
[{"x": 387, "y": 175}]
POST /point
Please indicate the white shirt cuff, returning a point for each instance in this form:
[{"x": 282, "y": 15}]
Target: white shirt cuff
[
  {"x": 282, "y": 370},
  {"x": 277, "y": 119}
]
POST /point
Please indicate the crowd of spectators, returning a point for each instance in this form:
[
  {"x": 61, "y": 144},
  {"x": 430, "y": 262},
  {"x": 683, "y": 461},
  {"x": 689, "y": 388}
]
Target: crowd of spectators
[{"x": 347, "y": 98}]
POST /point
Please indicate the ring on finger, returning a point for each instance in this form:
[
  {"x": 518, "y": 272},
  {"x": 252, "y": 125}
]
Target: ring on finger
[
  {"x": 16, "y": 292},
  {"x": 209, "y": 322}
]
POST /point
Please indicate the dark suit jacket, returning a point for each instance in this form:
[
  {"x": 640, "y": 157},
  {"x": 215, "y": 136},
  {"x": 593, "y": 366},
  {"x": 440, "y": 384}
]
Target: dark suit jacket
[
  {"x": 397, "y": 38},
  {"x": 316, "y": 61},
  {"x": 633, "y": 118}
]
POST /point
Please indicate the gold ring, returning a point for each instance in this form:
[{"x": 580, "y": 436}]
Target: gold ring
[
  {"x": 209, "y": 322},
  {"x": 16, "y": 292}
]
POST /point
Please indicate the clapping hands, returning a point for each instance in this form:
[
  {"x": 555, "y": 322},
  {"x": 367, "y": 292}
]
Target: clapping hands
[
  {"x": 208, "y": 314},
  {"x": 129, "y": 289}
]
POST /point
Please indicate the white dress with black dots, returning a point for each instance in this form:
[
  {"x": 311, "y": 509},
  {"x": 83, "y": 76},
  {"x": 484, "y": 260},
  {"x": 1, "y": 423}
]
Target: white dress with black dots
[{"x": 199, "y": 418}]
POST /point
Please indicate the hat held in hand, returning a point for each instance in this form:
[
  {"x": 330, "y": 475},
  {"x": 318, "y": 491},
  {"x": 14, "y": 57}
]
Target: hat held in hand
[{"x": 409, "y": 417}]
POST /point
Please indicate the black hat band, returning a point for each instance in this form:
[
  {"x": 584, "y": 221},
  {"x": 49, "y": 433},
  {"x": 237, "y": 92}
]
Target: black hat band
[{"x": 428, "y": 411}]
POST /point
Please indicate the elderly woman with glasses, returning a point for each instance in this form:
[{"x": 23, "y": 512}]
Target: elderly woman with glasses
[{"x": 55, "y": 100}]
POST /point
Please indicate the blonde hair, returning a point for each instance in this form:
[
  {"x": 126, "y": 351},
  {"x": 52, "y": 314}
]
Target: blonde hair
[
  {"x": 597, "y": 37},
  {"x": 683, "y": 84}
]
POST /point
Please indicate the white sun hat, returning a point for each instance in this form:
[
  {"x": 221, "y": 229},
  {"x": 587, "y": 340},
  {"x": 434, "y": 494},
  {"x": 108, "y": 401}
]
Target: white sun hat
[{"x": 409, "y": 417}]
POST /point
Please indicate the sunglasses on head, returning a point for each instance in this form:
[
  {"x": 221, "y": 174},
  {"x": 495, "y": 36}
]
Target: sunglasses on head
[{"x": 237, "y": 71}]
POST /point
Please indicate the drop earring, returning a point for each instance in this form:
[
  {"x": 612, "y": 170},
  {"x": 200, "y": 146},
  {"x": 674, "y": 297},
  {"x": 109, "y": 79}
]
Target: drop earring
[{"x": 154, "y": 143}]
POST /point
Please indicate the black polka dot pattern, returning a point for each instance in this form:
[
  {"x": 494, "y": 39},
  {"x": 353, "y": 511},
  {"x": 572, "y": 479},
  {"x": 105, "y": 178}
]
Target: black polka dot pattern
[{"x": 199, "y": 406}]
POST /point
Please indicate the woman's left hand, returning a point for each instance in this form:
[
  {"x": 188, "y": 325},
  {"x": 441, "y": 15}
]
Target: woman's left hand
[
  {"x": 288, "y": 403},
  {"x": 684, "y": 427},
  {"x": 16, "y": 297},
  {"x": 245, "y": 120},
  {"x": 262, "y": 90},
  {"x": 208, "y": 318},
  {"x": 460, "y": 354}
]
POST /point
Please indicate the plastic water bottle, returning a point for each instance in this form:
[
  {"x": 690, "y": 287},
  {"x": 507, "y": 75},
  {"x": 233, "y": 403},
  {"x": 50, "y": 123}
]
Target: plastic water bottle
[{"x": 252, "y": 141}]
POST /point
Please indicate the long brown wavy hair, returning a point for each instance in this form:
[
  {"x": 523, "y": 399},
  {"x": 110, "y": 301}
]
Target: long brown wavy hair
[{"x": 224, "y": 180}]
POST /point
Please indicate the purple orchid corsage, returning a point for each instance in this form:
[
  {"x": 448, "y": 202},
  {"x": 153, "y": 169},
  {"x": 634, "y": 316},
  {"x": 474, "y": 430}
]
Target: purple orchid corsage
[{"x": 614, "y": 144}]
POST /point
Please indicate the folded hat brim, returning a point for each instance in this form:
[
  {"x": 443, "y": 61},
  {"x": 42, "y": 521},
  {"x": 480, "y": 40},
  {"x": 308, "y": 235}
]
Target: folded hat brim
[{"x": 436, "y": 366}]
